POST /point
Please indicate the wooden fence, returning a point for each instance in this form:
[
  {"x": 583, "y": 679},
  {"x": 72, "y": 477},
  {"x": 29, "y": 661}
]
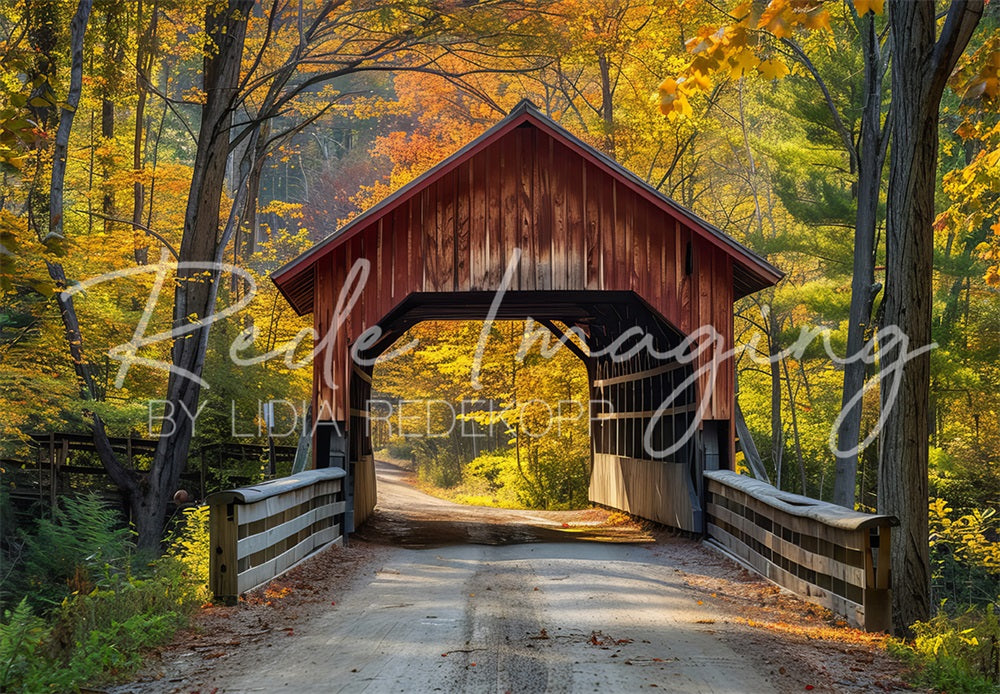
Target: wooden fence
[
  {"x": 259, "y": 532},
  {"x": 829, "y": 555}
]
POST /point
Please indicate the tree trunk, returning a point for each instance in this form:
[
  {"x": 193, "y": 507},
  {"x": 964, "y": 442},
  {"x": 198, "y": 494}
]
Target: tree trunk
[
  {"x": 607, "y": 104},
  {"x": 921, "y": 68},
  {"x": 193, "y": 298},
  {"x": 777, "y": 430},
  {"x": 67, "y": 311},
  {"x": 144, "y": 54},
  {"x": 863, "y": 287}
]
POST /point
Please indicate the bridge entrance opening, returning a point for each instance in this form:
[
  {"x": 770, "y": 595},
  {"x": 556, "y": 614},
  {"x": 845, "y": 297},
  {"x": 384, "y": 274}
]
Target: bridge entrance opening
[{"x": 509, "y": 427}]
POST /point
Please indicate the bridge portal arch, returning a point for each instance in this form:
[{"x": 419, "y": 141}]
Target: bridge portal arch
[{"x": 528, "y": 221}]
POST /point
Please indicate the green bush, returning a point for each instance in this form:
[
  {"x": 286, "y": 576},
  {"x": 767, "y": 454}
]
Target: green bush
[
  {"x": 400, "y": 448},
  {"x": 111, "y": 606},
  {"x": 957, "y": 653},
  {"x": 83, "y": 546}
]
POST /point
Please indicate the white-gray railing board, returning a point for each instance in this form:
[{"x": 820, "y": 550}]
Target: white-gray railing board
[
  {"x": 827, "y": 554},
  {"x": 261, "y": 531}
]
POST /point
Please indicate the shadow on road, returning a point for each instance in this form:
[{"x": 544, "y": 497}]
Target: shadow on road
[{"x": 407, "y": 517}]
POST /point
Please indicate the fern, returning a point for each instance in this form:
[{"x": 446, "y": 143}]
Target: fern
[
  {"x": 83, "y": 546},
  {"x": 21, "y": 636}
]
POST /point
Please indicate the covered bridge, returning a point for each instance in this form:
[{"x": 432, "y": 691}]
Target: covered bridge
[{"x": 571, "y": 237}]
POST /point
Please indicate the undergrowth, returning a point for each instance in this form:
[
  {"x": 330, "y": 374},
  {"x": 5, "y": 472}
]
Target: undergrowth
[
  {"x": 83, "y": 605},
  {"x": 958, "y": 650}
]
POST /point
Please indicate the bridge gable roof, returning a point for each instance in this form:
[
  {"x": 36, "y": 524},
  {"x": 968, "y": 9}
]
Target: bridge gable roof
[{"x": 751, "y": 272}]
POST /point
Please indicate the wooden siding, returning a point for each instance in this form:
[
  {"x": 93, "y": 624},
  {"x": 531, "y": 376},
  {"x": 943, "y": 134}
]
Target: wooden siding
[
  {"x": 585, "y": 231},
  {"x": 577, "y": 226}
]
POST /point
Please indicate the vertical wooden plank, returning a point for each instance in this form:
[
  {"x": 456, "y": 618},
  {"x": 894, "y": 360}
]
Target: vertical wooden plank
[
  {"x": 575, "y": 244},
  {"x": 510, "y": 235},
  {"x": 321, "y": 316},
  {"x": 358, "y": 248},
  {"x": 429, "y": 244},
  {"x": 462, "y": 229},
  {"x": 543, "y": 212},
  {"x": 684, "y": 281},
  {"x": 334, "y": 370},
  {"x": 400, "y": 258},
  {"x": 621, "y": 260},
  {"x": 668, "y": 231},
  {"x": 479, "y": 230},
  {"x": 654, "y": 258},
  {"x": 607, "y": 231},
  {"x": 445, "y": 190},
  {"x": 703, "y": 277},
  {"x": 223, "y": 565},
  {"x": 414, "y": 245},
  {"x": 526, "y": 231},
  {"x": 626, "y": 211},
  {"x": 495, "y": 215},
  {"x": 382, "y": 274},
  {"x": 593, "y": 225},
  {"x": 722, "y": 320}
]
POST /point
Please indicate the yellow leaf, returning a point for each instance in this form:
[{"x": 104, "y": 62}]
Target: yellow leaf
[
  {"x": 678, "y": 108},
  {"x": 773, "y": 69},
  {"x": 698, "y": 81},
  {"x": 742, "y": 62},
  {"x": 862, "y": 6},
  {"x": 667, "y": 103},
  {"x": 668, "y": 86}
]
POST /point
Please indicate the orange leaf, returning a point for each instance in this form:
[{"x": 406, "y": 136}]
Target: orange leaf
[{"x": 668, "y": 86}]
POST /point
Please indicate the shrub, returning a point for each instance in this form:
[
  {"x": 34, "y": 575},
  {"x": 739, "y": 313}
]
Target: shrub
[
  {"x": 83, "y": 546},
  {"x": 189, "y": 548},
  {"x": 22, "y": 638},
  {"x": 957, "y": 653},
  {"x": 965, "y": 560},
  {"x": 110, "y": 606}
]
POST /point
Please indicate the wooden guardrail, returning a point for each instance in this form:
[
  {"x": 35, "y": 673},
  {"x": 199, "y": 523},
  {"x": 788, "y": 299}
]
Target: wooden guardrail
[
  {"x": 259, "y": 532},
  {"x": 829, "y": 555}
]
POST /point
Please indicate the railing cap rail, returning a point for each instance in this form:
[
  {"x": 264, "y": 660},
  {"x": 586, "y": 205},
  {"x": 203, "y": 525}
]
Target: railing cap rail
[
  {"x": 798, "y": 505},
  {"x": 265, "y": 490}
]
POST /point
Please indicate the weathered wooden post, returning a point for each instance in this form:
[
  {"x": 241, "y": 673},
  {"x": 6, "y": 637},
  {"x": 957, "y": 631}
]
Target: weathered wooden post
[
  {"x": 878, "y": 591},
  {"x": 223, "y": 524}
]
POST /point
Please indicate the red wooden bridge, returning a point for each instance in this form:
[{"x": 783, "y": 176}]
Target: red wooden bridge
[{"x": 529, "y": 221}]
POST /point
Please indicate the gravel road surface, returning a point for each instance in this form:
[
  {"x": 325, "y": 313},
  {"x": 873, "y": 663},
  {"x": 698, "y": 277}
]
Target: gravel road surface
[
  {"x": 496, "y": 616},
  {"x": 433, "y": 596}
]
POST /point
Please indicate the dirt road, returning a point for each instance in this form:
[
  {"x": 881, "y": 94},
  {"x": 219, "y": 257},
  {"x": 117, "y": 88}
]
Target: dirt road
[{"x": 447, "y": 598}]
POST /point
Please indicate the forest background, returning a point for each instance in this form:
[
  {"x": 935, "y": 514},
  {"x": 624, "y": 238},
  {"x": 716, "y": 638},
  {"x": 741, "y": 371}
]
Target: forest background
[{"x": 339, "y": 103}]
